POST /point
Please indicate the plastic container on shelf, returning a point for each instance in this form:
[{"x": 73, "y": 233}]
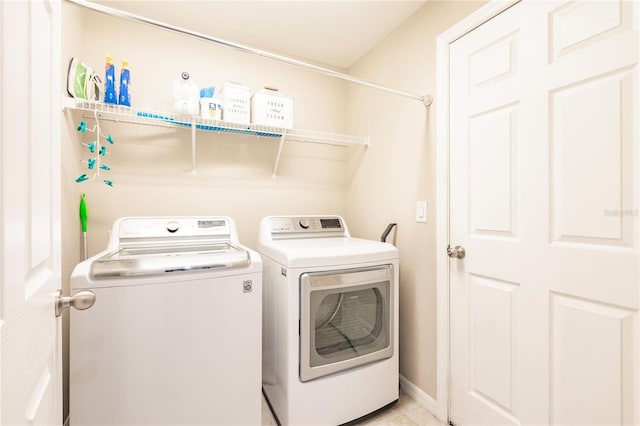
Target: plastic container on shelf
[
  {"x": 270, "y": 108},
  {"x": 186, "y": 95},
  {"x": 210, "y": 108},
  {"x": 124, "y": 97},
  {"x": 110, "y": 96},
  {"x": 236, "y": 103}
]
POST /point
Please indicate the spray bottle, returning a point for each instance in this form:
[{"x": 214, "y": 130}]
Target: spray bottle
[
  {"x": 110, "y": 96},
  {"x": 125, "y": 80}
]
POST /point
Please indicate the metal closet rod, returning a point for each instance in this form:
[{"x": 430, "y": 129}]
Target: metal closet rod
[{"x": 426, "y": 99}]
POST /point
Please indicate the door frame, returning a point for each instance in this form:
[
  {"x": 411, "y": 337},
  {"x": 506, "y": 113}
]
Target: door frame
[{"x": 444, "y": 40}]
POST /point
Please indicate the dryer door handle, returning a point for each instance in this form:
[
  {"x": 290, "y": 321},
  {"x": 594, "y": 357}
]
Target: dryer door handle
[{"x": 81, "y": 300}]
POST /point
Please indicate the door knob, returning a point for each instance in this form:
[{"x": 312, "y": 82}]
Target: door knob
[
  {"x": 456, "y": 252},
  {"x": 82, "y": 300}
]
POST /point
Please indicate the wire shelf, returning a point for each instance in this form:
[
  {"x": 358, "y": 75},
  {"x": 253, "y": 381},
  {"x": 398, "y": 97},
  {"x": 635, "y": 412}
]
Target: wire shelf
[{"x": 125, "y": 114}]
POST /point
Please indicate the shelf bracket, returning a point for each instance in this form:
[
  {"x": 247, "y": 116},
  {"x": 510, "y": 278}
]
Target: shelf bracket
[
  {"x": 193, "y": 149},
  {"x": 274, "y": 175}
]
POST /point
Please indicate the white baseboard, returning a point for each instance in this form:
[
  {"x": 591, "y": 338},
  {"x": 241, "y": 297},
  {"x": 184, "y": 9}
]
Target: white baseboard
[{"x": 423, "y": 398}]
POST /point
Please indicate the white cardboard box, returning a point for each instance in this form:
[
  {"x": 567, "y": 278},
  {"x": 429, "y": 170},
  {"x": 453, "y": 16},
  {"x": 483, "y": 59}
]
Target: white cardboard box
[
  {"x": 270, "y": 108},
  {"x": 236, "y": 100}
]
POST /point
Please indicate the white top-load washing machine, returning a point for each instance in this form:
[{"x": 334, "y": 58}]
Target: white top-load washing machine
[
  {"x": 174, "y": 336},
  {"x": 330, "y": 321}
]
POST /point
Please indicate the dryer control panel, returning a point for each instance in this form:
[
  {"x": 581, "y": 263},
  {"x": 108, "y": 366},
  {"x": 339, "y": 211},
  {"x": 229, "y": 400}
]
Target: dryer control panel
[{"x": 305, "y": 226}]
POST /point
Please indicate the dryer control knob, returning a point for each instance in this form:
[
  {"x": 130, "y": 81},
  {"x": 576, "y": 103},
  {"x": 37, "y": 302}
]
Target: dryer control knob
[
  {"x": 173, "y": 226},
  {"x": 304, "y": 223}
]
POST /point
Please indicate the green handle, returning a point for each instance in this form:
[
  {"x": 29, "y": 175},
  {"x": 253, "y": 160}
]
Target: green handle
[{"x": 83, "y": 213}]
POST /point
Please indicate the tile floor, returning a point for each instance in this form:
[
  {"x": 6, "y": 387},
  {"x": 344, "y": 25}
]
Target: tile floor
[{"x": 406, "y": 412}]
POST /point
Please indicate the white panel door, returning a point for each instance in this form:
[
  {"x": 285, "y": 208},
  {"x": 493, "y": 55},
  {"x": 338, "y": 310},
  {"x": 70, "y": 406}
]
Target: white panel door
[
  {"x": 544, "y": 197},
  {"x": 31, "y": 390}
]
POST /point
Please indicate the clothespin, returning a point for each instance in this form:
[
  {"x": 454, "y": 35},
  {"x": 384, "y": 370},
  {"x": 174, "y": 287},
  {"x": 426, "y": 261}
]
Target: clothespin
[{"x": 91, "y": 146}]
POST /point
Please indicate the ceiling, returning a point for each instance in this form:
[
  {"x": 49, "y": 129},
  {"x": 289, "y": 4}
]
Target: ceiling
[{"x": 331, "y": 32}]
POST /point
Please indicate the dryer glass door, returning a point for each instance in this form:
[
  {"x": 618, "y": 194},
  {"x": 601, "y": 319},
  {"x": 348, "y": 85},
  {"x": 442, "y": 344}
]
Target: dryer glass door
[{"x": 346, "y": 320}]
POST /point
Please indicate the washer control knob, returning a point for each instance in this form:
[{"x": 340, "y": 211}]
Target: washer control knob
[
  {"x": 304, "y": 223},
  {"x": 173, "y": 226}
]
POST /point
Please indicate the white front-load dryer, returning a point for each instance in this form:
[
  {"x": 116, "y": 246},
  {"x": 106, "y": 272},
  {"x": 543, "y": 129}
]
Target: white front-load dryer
[
  {"x": 174, "y": 335},
  {"x": 330, "y": 321}
]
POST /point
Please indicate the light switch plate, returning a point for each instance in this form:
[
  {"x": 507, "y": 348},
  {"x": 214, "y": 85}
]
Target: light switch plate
[{"x": 421, "y": 211}]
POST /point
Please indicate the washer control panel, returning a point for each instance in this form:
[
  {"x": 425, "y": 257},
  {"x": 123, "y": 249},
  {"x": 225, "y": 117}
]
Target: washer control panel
[{"x": 149, "y": 228}]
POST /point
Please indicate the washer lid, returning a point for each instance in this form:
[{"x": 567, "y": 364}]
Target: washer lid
[
  {"x": 313, "y": 252},
  {"x": 162, "y": 259}
]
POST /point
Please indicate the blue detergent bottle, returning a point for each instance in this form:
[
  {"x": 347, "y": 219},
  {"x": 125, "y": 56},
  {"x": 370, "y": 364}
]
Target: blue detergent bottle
[
  {"x": 125, "y": 84},
  {"x": 110, "y": 96}
]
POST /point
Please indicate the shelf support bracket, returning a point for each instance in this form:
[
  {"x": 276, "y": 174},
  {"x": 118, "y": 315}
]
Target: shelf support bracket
[
  {"x": 193, "y": 149},
  {"x": 274, "y": 175}
]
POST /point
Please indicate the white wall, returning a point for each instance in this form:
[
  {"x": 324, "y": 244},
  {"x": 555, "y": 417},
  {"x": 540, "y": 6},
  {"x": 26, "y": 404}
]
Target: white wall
[
  {"x": 150, "y": 166},
  {"x": 399, "y": 169}
]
